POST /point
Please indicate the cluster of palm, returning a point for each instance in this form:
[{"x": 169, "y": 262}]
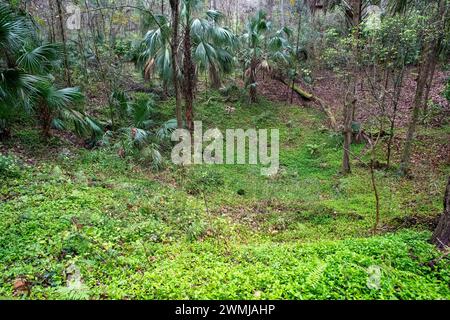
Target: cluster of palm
[
  {"x": 142, "y": 132},
  {"x": 26, "y": 81},
  {"x": 212, "y": 47},
  {"x": 261, "y": 48},
  {"x": 216, "y": 50}
]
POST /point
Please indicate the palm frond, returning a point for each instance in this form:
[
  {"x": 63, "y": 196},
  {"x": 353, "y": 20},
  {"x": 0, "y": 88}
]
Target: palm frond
[{"x": 39, "y": 59}]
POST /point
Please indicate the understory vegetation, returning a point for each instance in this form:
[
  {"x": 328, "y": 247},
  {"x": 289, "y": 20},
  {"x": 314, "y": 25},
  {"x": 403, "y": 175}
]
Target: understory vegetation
[{"x": 92, "y": 207}]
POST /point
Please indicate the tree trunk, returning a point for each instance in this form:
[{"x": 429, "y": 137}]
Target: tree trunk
[
  {"x": 398, "y": 84},
  {"x": 52, "y": 36},
  {"x": 214, "y": 77},
  {"x": 188, "y": 77},
  {"x": 418, "y": 103},
  {"x": 296, "y": 53},
  {"x": 174, "y": 5},
  {"x": 429, "y": 83},
  {"x": 427, "y": 65},
  {"x": 350, "y": 105},
  {"x": 441, "y": 236},
  {"x": 347, "y": 131},
  {"x": 45, "y": 119},
  {"x": 63, "y": 39},
  {"x": 252, "y": 80}
]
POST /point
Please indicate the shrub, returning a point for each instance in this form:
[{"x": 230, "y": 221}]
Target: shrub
[{"x": 9, "y": 167}]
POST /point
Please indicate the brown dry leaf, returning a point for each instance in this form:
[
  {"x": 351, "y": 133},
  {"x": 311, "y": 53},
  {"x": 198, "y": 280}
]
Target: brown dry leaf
[{"x": 21, "y": 286}]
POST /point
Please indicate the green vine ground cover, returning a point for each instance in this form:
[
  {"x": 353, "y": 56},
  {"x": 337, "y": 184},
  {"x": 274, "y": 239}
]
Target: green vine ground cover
[{"x": 219, "y": 232}]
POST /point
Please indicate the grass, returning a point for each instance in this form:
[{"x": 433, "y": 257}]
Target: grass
[{"x": 218, "y": 232}]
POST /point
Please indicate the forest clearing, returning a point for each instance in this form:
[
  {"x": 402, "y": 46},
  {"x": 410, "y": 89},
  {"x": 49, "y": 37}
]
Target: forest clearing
[{"x": 342, "y": 190}]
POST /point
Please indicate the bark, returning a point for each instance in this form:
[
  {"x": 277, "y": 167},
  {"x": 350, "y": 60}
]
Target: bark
[
  {"x": 429, "y": 83},
  {"x": 397, "y": 92},
  {"x": 45, "y": 118},
  {"x": 296, "y": 53},
  {"x": 417, "y": 105},
  {"x": 350, "y": 104},
  {"x": 356, "y": 11},
  {"x": 301, "y": 92},
  {"x": 64, "y": 42},
  {"x": 214, "y": 77},
  {"x": 375, "y": 192},
  {"x": 174, "y": 5},
  {"x": 347, "y": 132},
  {"x": 441, "y": 236},
  {"x": 188, "y": 78},
  {"x": 252, "y": 80},
  {"x": 52, "y": 36}
]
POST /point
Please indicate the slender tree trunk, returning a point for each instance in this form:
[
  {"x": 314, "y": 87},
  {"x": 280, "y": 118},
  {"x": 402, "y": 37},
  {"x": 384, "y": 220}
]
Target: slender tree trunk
[
  {"x": 429, "y": 83},
  {"x": 214, "y": 77},
  {"x": 252, "y": 80},
  {"x": 441, "y": 236},
  {"x": 350, "y": 104},
  {"x": 428, "y": 60},
  {"x": 45, "y": 119},
  {"x": 417, "y": 105},
  {"x": 346, "y": 169},
  {"x": 63, "y": 38},
  {"x": 52, "y": 32},
  {"x": 188, "y": 77},
  {"x": 296, "y": 53},
  {"x": 397, "y": 92},
  {"x": 174, "y": 5}
]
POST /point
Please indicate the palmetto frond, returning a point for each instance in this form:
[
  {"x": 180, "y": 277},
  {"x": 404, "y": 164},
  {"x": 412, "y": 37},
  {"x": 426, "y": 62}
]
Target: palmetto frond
[
  {"x": 214, "y": 15},
  {"x": 58, "y": 99},
  {"x": 166, "y": 129},
  {"x": 13, "y": 29},
  {"x": 17, "y": 88},
  {"x": 140, "y": 112},
  {"x": 39, "y": 59},
  {"x": 156, "y": 56}
]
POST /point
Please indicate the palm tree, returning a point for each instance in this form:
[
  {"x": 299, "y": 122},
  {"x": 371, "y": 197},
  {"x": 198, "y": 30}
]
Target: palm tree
[
  {"x": 156, "y": 54},
  {"x": 205, "y": 45},
  {"x": 433, "y": 40},
  {"x": 15, "y": 84},
  {"x": 25, "y": 80},
  {"x": 141, "y": 133},
  {"x": 175, "y": 8},
  {"x": 254, "y": 43},
  {"x": 53, "y": 108},
  {"x": 188, "y": 65},
  {"x": 213, "y": 46},
  {"x": 260, "y": 48}
]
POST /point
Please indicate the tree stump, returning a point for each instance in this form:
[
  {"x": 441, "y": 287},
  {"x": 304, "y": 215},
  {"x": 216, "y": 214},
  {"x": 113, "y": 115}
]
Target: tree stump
[{"x": 441, "y": 236}]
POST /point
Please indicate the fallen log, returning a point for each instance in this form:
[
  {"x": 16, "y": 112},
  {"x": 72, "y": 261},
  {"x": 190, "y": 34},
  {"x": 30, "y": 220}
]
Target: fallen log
[
  {"x": 302, "y": 93},
  {"x": 310, "y": 97},
  {"x": 327, "y": 110}
]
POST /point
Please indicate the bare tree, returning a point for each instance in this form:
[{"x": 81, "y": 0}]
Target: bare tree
[
  {"x": 350, "y": 100},
  {"x": 64, "y": 42},
  {"x": 426, "y": 69}
]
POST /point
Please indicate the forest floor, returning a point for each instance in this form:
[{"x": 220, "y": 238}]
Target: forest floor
[{"x": 82, "y": 223}]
